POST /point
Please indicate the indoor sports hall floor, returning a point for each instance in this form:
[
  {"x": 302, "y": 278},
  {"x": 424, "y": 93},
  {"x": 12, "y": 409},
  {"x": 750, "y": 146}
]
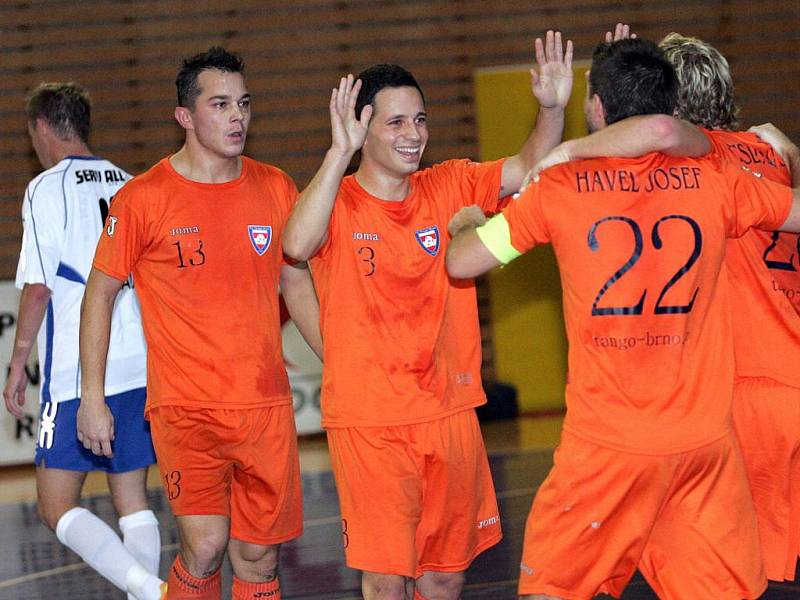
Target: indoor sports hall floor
[{"x": 34, "y": 566}]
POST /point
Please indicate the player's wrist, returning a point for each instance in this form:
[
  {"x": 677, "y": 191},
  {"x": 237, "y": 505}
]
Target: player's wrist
[
  {"x": 567, "y": 150},
  {"x": 554, "y": 112},
  {"x": 340, "y": 155},
  {"x": 92, "y": 397}
]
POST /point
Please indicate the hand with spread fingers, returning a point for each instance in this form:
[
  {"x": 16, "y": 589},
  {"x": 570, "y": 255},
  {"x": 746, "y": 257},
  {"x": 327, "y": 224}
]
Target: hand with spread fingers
[
  {"x": 551, "y": 79},
  {"x": 348, "y": 131}
]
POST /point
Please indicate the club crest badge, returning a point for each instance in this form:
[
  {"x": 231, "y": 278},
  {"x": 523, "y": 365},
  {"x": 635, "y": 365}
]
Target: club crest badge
[
  {"x": 428, "y": 238},
  {"x": 260, "y": 237}
]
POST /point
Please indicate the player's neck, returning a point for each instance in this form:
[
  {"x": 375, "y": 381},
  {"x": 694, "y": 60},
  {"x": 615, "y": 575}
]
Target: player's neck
[
  {"x": 383, "y": 185},
  {"x": 204, "y": 167},
  {"x": 59, "y": 150}
]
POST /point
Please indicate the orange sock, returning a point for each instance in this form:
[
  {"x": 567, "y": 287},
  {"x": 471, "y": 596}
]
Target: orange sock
[
  {"x": 246, "y": 590},
  {"x": 418, "y": 596},
  {"x": 182, "y": 585}
]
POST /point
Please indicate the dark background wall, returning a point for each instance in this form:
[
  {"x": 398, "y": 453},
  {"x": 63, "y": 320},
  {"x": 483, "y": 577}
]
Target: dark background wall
[{"x": 126, "y": 53}]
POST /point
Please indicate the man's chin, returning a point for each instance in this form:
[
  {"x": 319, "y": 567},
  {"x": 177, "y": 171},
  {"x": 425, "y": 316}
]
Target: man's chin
[{"x": 409, "y": 167}]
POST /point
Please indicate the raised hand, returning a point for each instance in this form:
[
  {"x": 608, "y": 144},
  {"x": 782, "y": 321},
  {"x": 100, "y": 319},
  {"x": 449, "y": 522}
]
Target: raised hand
[
  {"x": 348, "y": 131},
  {"x": 622, "y": 31},
  {"x": 551, "y": 80}
]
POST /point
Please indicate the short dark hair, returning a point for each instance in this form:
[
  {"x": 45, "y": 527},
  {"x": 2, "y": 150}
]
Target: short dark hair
[
  {"x": 377, "y": 77},
  {"x": 632, "y": 77},
  {"x": 215, "y": 57},
  {"x": 65, "y": 107}
]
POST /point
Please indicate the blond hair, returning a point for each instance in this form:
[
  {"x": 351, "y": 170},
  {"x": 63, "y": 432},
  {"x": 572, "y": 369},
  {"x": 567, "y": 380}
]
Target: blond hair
[{"x": 705, "y": 96}]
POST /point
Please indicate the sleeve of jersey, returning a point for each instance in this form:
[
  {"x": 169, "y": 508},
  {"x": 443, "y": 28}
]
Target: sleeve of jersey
[
  {"x": 477, "y": 183},
  {"x": 517, "y": 229},
  {"x": 717, "y": 146},
  {"x": 121, "y": 241},
  {"x": 755, "y": 201},
  {"x": 44, "y": 221}
]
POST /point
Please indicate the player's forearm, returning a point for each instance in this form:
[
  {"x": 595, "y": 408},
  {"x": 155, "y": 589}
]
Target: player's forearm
[
  {"x": 545, "y": 136},
  {"x": 640, "y": 135},
  {"x": 298, "y": 292},
  {"x": 95, "y": 330},
  {"x": 33, "y": 303},
  {"x": 307, "y": 227},
  {"x": 467, "y": 256}
]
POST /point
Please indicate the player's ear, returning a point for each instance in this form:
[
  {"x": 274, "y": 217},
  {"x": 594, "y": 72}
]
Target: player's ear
[
  {"x": 184, "y": 117},
  {"x": 40, "y": 126},
  {"x": 598, "y": 110}
]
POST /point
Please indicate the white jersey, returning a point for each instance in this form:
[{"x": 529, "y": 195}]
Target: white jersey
[{"x": 63, "y": 214}]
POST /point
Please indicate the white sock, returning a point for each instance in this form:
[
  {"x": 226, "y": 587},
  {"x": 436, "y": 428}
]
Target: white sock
[
  {"x": 141, "y": 537},
  {"x": 100, "y": 547}
]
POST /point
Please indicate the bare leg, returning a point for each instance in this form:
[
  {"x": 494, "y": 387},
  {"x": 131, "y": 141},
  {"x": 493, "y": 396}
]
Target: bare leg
[
  {"x": 379, "y": 586},
  {"x": 439, "y": 585}
]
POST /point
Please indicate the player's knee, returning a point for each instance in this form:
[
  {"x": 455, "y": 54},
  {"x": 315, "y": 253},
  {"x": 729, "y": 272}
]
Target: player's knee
[
  {"x": 255, "y": 562},
  {"x": 131, "y": 501},
  {"x": 377, "y": 586},
  {"x": 441, "y": 586},
  {"x": 50, "y": 512},
  {"x": 202, "y": 555}
]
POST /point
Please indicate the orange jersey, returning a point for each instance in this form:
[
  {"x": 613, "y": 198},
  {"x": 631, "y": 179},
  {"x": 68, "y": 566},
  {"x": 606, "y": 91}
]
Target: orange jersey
[
  {"x": 763, "y": 270},
  {"x": 401, "y": 340},
  {"x": 640, "y": 245},
  {"x": 206, "y": 262}
]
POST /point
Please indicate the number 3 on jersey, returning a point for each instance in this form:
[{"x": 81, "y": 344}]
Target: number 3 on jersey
[
  {"x": 367, "y": 254},
  {"x": 638, "y": 247}
]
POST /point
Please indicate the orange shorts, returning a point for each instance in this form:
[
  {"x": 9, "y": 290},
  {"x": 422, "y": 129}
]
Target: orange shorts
[
  {"x": 415, "y": 498},
  {"x": 766, "y": 417},
  {"x": 242, "y": 464},
  {"x": 685, "y": 520}
]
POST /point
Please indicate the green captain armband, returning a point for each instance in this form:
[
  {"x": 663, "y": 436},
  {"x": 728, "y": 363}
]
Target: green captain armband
[{"x": 496, "y": 236}]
